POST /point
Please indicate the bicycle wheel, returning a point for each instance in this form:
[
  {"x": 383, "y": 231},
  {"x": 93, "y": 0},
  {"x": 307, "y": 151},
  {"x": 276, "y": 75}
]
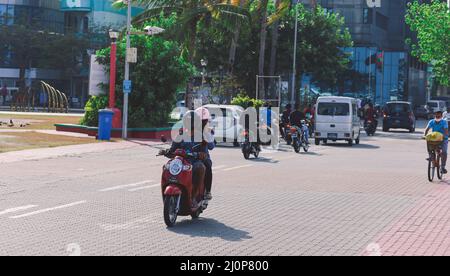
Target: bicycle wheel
[
  {"x": 431, "y": 169},
  {"x": 438, "y": 167}
]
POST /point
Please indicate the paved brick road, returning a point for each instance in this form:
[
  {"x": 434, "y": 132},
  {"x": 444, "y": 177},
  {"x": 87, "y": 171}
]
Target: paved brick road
[{"x": 372, "y": 199}]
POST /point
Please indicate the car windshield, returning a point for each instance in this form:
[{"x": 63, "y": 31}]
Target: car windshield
[
  {"x": 220, "y": 112},
  {"x": 398, "y": 108},
  {"x": 433, "y": 104},
  {"x": 334, "y": 109}
]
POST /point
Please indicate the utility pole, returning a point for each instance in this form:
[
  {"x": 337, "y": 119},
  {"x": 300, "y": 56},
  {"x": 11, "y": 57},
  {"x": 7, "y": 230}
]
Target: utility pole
[
  {"x": 127, "y": 75},
  {"x": 294, "y": 63}
]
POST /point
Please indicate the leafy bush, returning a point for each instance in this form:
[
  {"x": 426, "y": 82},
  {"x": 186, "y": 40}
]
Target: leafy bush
[
  {"x": 91, "y": 110},
  {"x": 244, "y": 100},
  {"x": 160, "y": 71}
]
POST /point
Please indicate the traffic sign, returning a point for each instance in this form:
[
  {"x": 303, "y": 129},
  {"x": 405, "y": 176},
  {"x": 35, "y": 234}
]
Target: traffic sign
[{"x": 127, "y": 86}]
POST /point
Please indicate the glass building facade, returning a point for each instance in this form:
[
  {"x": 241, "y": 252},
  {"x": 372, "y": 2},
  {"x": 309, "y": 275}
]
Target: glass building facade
[
  {"x": 379, "y": 32},
  {"x": 42, "y": 15},
  {"x": 60, "y": 16}
]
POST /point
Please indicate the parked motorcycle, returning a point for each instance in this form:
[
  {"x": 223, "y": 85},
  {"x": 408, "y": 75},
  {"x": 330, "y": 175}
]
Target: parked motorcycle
[
  {"x": 248, "y": 147},
  {"x": 299, "y": 139},
  {"x": 177, "y": 188}
]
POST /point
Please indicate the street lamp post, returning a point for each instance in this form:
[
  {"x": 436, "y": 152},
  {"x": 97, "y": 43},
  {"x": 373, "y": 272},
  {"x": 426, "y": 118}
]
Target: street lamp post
[
  {"x": 148, "y": 31},
  {"x": 112, "y": 75},
  {"x": 117, "y": 118},
  {"x": 127, "y": 75},
  {"x": 294, "y": 63}
]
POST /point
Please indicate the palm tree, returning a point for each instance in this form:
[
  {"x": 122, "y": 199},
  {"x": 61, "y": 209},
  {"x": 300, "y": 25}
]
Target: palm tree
[
  {"x": 191, "y": 13},
  {"x": 282, "y": 6}
]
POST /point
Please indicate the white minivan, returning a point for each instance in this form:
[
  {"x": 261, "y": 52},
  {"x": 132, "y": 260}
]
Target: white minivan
[
  {"x": 337, "y": 119},
  {"x": 436, "y": 106}
]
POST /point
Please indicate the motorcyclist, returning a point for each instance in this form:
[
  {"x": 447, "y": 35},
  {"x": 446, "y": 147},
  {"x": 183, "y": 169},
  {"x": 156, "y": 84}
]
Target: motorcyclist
[
  {"x": 438, "y": 124},
  {"x": 309, "y": 112},
  {"x": 247, "y": 120},
  {"x": 296, "y": 119},
  {"x": 370, "y": 115},
  {"x": 285, "y": 118},
  {"x": 201, "y": 166}
]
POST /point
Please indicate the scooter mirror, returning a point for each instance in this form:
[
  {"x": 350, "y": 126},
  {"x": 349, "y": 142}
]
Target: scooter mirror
[{"x": 163, "y": 139}]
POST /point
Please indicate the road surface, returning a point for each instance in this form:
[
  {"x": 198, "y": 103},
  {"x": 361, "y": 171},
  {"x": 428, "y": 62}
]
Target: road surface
[{"x": 370, "y": 199}]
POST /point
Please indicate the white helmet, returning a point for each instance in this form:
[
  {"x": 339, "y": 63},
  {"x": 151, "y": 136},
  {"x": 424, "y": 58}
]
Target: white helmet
[{"x": 203, "y": 113}]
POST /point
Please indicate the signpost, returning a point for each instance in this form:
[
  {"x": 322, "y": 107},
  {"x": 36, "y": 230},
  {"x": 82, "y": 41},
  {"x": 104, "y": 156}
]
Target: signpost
[{"x": 127, "y": 86}]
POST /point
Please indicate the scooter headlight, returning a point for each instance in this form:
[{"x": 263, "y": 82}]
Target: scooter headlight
[{"x": 176, "y": 166}]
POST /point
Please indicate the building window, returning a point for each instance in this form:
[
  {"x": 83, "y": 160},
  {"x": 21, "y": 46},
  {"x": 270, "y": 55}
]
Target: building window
[
  {"x": 382, "y": 21},
  {"x": 85, "y": 24},
  {"x": 367, "y": 16}
]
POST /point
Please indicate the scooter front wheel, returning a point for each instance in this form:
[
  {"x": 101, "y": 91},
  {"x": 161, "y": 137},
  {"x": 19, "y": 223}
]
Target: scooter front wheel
[{"x": 170, "y": 210}]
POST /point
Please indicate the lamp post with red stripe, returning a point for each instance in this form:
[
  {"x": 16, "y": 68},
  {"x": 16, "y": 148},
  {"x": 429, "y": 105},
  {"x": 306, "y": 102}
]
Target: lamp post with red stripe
[{"x": 117, "y": 118}]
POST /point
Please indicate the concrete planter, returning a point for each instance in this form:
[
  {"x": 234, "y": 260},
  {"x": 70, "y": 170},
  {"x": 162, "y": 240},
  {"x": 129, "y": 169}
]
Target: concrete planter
[{"x": 133, "y": 133}]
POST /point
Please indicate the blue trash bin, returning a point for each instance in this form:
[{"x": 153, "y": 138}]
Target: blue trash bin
[{"x": 105, "y": 117}]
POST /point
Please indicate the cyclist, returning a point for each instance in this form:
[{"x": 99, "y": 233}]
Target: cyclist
[{"x": 438, "y": 124}]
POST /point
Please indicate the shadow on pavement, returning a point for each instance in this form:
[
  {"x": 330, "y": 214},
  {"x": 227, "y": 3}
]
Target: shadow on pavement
[
  {"x": 209, "y": 228},
  {"x": 344, "y": 145},
  {"x": 263, "y": 160}
]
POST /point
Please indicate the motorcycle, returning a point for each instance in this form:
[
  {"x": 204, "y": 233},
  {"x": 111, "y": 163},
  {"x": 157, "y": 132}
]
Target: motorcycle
[
  {"x": 299, "y": 139},
  {"x": 287, "y": 135},
  {"x": 177, "y": 187},
  {"x": 248, "y": 147},
  {"x": 370, "y": 126}
]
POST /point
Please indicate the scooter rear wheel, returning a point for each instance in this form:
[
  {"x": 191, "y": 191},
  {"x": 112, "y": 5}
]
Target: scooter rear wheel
[
  {"x": 170, "y": 212},
  {"x": 197, "y": 214}
]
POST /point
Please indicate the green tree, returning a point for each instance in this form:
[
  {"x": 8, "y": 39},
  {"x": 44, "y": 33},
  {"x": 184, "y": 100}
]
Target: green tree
[
  {"x": 431, "y": 22},
  {"x": 190, "y": 14},
  {"x": 31, "y": 48},
  {"x": 321, "y": 42},
  {"x": 160, "y": 71}
]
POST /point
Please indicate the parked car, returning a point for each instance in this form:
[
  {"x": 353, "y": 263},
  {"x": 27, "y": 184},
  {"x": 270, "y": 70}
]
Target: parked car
[
  {"x": 178, "y": 113},
  {"x": 423, "y": 111},
  {"x": 399, "y": 115},
  {"x": 225, "y": 122},
  {"x": 337, "y": 119},
  {"x": 437, "y": 105}
]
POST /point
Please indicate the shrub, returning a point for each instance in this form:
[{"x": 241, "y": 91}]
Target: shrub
[{"x": 91, "y": 110}]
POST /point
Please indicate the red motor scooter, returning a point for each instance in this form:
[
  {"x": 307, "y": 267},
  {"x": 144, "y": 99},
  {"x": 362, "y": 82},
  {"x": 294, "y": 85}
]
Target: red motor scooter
[{"x": 177, "y": 188}]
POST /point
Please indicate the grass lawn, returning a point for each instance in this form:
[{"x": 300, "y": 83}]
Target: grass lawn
[
  {"x": 14, "y": 141},
  {"x": 31, "y": 122}
]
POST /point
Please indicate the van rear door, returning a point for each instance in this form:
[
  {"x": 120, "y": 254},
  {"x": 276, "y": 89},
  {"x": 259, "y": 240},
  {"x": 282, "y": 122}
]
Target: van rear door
[{"x": 334, "y": 116}]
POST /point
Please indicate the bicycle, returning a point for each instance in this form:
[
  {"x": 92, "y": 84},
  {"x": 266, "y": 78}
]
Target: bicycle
[{"x": 434, "y": 160}]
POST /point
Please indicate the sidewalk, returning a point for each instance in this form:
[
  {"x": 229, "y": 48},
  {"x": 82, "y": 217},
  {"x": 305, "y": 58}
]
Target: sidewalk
[
  {"x": 422, "y": 231},
  {"x": 4, "y": 112},
  {"x": 75, "y": 150}
]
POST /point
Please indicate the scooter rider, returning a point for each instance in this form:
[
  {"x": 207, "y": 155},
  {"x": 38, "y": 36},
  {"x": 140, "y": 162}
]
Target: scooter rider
[
  {"x": 187, "y": 141},
  {"x": 296, "y": 119},
  {"x": 285, "y": 118}
]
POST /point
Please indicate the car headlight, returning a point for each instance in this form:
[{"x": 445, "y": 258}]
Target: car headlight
[{"x": 176, "y": 166}]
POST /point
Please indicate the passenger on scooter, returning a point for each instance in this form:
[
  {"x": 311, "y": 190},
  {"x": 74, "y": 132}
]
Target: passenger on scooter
[
  {"x": 202, "y": 167},
  {"x": 296, "y": 119},
  {"x": 208, "y": 136}
]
